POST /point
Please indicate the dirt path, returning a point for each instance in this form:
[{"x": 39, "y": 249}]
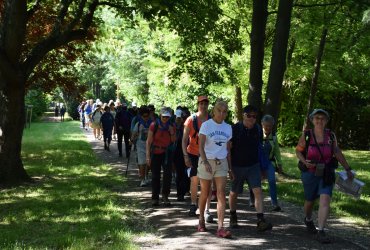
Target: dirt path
[{"x": 175, "y": 230}]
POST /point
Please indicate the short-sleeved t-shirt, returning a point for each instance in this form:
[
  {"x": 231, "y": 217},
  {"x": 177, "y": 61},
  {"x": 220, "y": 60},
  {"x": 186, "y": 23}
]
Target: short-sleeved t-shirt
[
  {"x": 193, "y": 146},
  {"x": 217, "y": 136},
  {"x": 161, "y": 139}
]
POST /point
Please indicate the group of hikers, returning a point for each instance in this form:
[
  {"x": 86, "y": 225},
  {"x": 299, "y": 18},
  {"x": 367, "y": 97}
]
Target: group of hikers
[
  {"x": 60, "y": 110},
  {"x": 201, "y": 148}
]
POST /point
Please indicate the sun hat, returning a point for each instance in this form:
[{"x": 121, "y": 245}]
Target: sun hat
[
  {"x": 178, "y": 113},
  {"x": 202, "y": 98},
  {"x": 165, "y": 112}
]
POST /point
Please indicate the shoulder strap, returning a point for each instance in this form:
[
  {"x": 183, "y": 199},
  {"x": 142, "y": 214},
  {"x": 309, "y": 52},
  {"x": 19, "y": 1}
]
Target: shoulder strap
[{"x": 195, "y": 125}]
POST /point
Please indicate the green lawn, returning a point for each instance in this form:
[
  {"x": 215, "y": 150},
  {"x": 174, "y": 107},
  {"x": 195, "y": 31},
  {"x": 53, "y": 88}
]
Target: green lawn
[
  {"x": 75, "y": 202},
  {"x": 291, "y": 189}
]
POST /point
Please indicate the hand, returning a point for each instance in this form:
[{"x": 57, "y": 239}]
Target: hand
[
  {"x": 350, "y": 175},
  {"x": 208, "y": 167},
  {"x": 187, "y": 161},
  {"x": 148, "y": 161},
  {"x": 279, "y": 169},
  {"x": 309, "y": 164},
  {"x": 231, "y": 175}
]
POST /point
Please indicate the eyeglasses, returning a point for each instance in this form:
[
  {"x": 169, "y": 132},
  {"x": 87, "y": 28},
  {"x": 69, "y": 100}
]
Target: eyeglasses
[{"x": 251, "y": 116}]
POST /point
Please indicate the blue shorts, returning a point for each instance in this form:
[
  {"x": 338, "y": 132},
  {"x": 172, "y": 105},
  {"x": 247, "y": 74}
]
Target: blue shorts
[
  {"x": 250, "y": 174},
  {"x": 313, "y": 186}
]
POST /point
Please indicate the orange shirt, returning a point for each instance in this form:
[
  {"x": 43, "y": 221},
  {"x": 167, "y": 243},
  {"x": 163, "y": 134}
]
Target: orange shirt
[
  {"x": 161, "y": 139},
  {"x": 193, "y": 146}
]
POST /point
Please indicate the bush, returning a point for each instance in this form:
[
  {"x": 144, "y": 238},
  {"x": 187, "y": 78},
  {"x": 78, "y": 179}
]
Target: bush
[{"x": 39, "y": 102}]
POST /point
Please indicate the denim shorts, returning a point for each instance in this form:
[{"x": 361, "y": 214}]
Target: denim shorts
[
  {"x": 313, "y": 186},
  {"x": 250, "y": 174}
]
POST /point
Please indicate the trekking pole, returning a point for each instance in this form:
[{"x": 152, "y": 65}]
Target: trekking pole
[{"x": 128, "y": 159}]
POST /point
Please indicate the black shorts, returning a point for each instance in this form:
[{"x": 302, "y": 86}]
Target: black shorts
[{"x": 194, "y": 162}]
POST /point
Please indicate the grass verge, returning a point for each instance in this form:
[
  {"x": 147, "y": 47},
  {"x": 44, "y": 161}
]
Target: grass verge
[
  {"x": 75, "y": 202},
  {"x": 291, "y": 189}
]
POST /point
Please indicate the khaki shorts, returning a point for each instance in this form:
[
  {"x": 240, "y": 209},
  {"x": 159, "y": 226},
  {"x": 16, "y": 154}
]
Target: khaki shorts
[{"x": 219, "y": 169}]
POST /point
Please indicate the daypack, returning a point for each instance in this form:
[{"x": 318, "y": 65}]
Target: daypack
[{"x": 195, "y": 126}]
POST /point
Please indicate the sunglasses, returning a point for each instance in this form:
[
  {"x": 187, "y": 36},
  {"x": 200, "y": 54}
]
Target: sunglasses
[
  {"x": 251, "y": 116},
  {"x": 165, "y": 117}
]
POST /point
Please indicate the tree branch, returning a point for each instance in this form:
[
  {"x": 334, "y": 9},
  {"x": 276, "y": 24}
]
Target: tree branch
[
  {"x": 64, "y": 5},
  {"x": 317, "y": 4},
  {"x": 34, "y": 8},
  {"x": 78, "y": 15}
]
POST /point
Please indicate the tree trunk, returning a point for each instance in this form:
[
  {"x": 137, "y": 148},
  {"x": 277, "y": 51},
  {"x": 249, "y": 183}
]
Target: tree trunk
[
  {"x": 11, "y": 168},
  {"x": 238, "y": 103},
  {"x": 315, "y": 77},
  {"x": 278, "y": 59},
  {"x": 257, "y": 38}
]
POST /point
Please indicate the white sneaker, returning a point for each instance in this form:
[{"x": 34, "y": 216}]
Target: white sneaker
[{"x": 143, "y": 183}]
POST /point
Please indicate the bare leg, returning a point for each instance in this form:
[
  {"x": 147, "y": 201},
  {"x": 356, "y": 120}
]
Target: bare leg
[
  {"x": 232, "y": 201},
  {"x": 324, "y": 208},
  {"x": 221, "y": 200},
  {"x": 258, "y": 199},
  {"x": 308, "y": 207},
  {"x": 194, "y": 189},
  {"x": 205, "y": 186}
]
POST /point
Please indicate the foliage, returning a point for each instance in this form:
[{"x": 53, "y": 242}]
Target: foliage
[
  {"x": 39, "y": 101},
  {"x": 76, "y": 200}
]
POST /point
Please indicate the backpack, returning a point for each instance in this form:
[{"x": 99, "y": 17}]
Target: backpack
[
  {"x": 124, "y": 120},
  {"x": 195, "y": 126}
]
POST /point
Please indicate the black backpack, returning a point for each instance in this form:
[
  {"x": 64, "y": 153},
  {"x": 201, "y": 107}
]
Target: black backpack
[{"x": 195, "y": 126}]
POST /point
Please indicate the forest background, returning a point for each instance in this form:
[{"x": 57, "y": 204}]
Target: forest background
[{"x": 285, "y": 57}]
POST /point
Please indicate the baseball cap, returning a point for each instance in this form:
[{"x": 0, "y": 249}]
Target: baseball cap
[
  {"x": 202, "y": 98},
  {"x": 319, "y": 111},
  {"x": 165, "y": 112},
  {"x": 178, "y": 113}
]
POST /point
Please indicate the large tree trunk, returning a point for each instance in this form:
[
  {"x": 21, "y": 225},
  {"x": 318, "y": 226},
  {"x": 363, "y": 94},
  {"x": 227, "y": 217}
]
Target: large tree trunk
[
  {"x": 315, "y": 77},
  {"x": 238, "y": 103},
  {"x": 11, "y": 167},
  {"x": 257, "y": 38},
  {"x": 12, "y": 90},
  {"x": 278, "y": 59}
]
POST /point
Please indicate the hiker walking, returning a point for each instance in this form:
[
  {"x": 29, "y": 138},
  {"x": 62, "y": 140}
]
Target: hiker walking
[
  {"x": 318, "y": 153},
  {"x": 95, "y": 120},
  {"x": 215, "y": 163},
  {"x": 62, "y": 113},
  {"x": 161, "y": 134},
  {"x": 123, "y": 123},
  {"x": 107, "y": 123},
  {"x": 190, "y": 149},
  {"x": 247, "y": 135},
  {"x": 272, "y": 151}
]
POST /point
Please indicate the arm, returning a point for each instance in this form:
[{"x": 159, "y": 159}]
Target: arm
[
  {"x": 277, "y": 155},
  {"x": 231, "y": 174},
  {"x": 172, "y": 131},
  {"x": 202, "y": 153},
  {"x": 299, "y": 152},
  {"x": 340, "y": 157},
  {"x": 149, "y": 142},
  {"x": 184, "y": 144}
]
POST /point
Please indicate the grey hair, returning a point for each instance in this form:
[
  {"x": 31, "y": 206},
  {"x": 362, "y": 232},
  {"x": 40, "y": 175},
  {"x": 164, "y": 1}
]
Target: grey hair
[{"x": 268, "y": 118}]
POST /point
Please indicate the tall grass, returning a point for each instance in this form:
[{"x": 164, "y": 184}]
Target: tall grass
[
  {"x": 291, "y": 189},
  {"x": 75, "y": 202}
]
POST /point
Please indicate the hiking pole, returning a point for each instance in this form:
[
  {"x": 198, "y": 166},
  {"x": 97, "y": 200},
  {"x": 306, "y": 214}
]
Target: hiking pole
[{"x": 128, "y": 158}]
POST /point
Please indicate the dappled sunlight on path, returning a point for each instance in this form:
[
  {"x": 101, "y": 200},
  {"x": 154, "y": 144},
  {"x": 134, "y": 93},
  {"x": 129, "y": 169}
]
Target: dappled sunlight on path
[{"x": 176, "y": 230}]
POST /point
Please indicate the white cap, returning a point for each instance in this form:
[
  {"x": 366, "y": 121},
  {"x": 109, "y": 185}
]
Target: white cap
[
  {"x": 178, "y": 113},
  {"x": 133, "y": 104}
]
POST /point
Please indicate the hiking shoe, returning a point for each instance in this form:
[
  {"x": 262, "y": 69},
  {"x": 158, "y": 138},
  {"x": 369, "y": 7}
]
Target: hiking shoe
[
  {"x": 166, "y": 201},
  {"x": 209, "y": 217},
  {"x": 223, "y": 233},
  {"x": 202, "y": 226},
  {"x": 155, "y": 202},
  {"x": 262, "y": 226},
  {"x": 276, "y": 208},
  {"x": 233, "y": 220},
  {"x": 193, "y": 209},
  {"x": 322, "y": 237},
  {"x": 143, "y": 183},
  {"x": 310, "y": 226}
]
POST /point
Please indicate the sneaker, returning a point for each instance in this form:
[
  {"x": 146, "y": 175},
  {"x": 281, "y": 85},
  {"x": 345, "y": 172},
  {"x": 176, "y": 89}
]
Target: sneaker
[
  {"x": 310, "y": 226},
  {"x": 322, "y": 237},
  {"x": 166, "y": 201},
  {"x": 223, "y": 233},
  {"x": 155, "y": 202},
  {"x": 202, "y": 226},
  {"x": 276, "y": 208},
  {"x": 142, "y": 183},
  {"x": 209, "y": 217},
  {"x": 193, "y": 209},
  {"x": 262, "y": 225},
  {"x": 233, "y": 220}
]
